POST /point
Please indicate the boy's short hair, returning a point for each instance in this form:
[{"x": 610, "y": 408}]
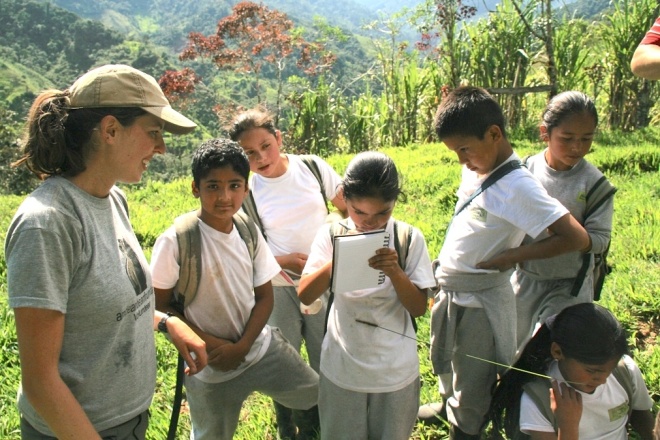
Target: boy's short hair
[
  {"x": 468, "y": 111},
  {"x": 219, "y": 153}
]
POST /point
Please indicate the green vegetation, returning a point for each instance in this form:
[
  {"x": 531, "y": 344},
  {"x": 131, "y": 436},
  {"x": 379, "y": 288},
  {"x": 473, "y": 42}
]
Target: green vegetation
[{"x": 431, "y": 175}]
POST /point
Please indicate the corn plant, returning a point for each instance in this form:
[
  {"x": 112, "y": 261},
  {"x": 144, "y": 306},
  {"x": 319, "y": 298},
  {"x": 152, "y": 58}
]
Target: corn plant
[
  {"x": 571, "y": 54},
  {"x": 630, "y": 97},
  {"x": 500, "y": 48}
]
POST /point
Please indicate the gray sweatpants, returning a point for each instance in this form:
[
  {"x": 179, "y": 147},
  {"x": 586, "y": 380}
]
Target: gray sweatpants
[
  {"x": 281, "y": 374},
  {"x": 536, "y": 300},
  {"x": 351, "y": 415},
  {"x": 467, "y": 392},
  {"x": 296, "y": 326}
]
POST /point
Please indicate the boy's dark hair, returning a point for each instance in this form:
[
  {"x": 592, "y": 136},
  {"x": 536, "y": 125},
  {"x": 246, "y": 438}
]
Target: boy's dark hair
[
  {"x": 372, "y": 174},
  {"x": 586, "y": 332},
  {"x": 247, "y": 120},
  {"x": 567, "y": 104},
  {"x": 219, "y": 153},
  {"x": 468, "y": 111}
]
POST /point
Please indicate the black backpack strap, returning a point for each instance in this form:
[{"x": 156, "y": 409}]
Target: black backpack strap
[{"x": 602, "y": 191}]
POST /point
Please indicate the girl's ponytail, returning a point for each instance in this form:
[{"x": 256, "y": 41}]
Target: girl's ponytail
[
  {"x": 44, "y": 144},
  {"x": 504, "y": 410},
  {"x": 58, "y": 138}
]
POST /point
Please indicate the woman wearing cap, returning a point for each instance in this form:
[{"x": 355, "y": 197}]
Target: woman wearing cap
[{"x": 77, "y": 278}]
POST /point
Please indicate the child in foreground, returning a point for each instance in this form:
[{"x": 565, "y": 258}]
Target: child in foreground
[
  {"x": 544, "y": 287},
  {"x": 369, "y": 384},
  {"x": 474, "y": 312},
  {"x": 233, "y": 302},
  {"x": 596, "y": 388}
]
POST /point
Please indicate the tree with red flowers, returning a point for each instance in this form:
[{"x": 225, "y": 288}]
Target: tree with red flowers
[
  {"x": 253, "y": 37},
  {"x": 178, "y": 85}
]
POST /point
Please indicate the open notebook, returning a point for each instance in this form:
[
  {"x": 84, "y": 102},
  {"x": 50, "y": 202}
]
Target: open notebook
[{"x": 350, "y": 261}]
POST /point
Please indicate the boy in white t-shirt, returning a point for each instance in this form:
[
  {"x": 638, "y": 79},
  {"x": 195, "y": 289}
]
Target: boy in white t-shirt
[
  {"x": 290, "y": 204},
  {"x": 474, "y": 311},
  {"x": 233, "y": 303}
]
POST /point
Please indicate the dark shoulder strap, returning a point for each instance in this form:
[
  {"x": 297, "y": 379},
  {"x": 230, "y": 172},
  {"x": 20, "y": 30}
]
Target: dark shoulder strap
[
  {"x": 597, "y": 195},
  {"x": 247, "y": 229},
  {"x": 403, "y": 233},
  {"x": 602, "y": 191},
  {"x": 250, "y": 208},
  {"x": 490, "y": 180},
  {"x": 308, "y": 160},
  {"x": 189, "y": 241}
]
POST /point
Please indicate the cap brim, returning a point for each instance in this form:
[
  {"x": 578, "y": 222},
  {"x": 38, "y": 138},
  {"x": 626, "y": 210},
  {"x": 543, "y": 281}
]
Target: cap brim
[{"x": 175, "y": 122}]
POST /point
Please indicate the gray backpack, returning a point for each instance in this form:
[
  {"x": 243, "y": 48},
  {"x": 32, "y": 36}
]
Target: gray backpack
[{"x": 189, "y": 239}]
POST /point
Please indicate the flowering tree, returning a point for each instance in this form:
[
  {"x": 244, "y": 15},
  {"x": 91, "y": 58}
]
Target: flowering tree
[{"x": 254, "y": 37}]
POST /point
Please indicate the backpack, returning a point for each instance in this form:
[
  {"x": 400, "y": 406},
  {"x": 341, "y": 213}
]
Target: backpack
[
  {"x": 189, "y": 240},
  {"x": 597, "y": 195},
  {"x": 539, "y": 391},
  {"x": 402, "y": 231},
  {"x": 250, "y": 206}
]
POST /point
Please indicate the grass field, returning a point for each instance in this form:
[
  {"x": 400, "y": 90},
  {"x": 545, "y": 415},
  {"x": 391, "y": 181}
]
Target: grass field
[{"x": 632, "y": 291}]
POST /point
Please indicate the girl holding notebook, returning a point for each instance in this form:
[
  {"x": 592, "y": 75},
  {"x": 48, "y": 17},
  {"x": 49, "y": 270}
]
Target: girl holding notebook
[{"x": 369, "y": 380}]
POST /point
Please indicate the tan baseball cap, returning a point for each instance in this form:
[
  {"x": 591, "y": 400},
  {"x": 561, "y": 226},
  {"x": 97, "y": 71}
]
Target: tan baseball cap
[{"x": 118, "y": 85}]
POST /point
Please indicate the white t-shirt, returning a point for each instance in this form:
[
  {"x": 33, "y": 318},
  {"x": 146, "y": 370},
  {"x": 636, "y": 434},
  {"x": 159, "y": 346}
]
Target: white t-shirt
[
  {"x": 225, "y": 295},
  {"x": 291, "y": 206},
  {"x": 497, "y": 219},
  {"x": 603, "y": 414},
  {"x": 363, "y": 358}
]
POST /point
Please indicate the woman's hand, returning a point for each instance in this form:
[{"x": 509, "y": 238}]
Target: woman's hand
[{"x": 188, "y": 343}]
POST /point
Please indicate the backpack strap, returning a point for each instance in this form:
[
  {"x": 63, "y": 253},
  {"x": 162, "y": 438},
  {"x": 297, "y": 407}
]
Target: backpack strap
[
  {"x": 602, "y": 191},
  {"x": 308, "y": 159},
  {"x": 490, "y": 180},
  {"x": 622, "y": 374},
  {"x": 539, "y": 391},
  {"x": 189, "y": 240},
  {"x": 250, "y": 208},
  {"x": 247, "y": 229}
]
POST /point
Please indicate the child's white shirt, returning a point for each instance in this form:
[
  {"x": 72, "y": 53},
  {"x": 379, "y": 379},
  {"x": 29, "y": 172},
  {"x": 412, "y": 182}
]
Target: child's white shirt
[
  {"x": 225, "y": 295},
  {"x": 360, "y": 357},
  {"x": 291, "y": 206},
  {"x": 596, "y": 423},
  {"x": 497, "y": 219}
]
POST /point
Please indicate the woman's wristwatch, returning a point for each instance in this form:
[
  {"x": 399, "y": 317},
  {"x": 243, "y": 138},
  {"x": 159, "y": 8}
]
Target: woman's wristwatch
[{"x": 162, "y": 324}]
